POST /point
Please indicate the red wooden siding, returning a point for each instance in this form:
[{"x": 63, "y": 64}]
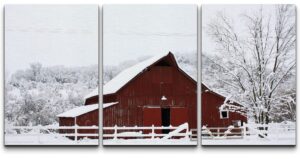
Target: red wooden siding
[
  {"x": 109, "y": 98},
  {"x": 179, "y": 115},
  {"x": 66, "y": 122},
  {"x": 152, "y": 116}
]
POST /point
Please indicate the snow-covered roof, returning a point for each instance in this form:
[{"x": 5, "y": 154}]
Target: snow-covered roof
[
  {"x": 79, "y": 111},
  {"x": 109, "y": 104},
  {"x": 125, "y": 76}
]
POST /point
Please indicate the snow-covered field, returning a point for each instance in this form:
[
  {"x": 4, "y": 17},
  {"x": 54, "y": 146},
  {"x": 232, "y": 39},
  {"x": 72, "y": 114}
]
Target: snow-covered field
[
  {"x": 45, "y": 139},
  {"x": 60, "y": 140},
  {"x": 284, "y": 139},
  {"x": 46, "y": 135}
]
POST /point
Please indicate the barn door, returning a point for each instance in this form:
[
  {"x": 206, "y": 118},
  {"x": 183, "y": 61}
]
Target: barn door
[
  {"x": 152, "y": 116},
  {"x": 165, "y": 119},
  {"x": 179, "y": 115}
]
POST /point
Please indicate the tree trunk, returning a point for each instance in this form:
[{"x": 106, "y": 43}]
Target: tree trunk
[{"x": 263, "y": 128}]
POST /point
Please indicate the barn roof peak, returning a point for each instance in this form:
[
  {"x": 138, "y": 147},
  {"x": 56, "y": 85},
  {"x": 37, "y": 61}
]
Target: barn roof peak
[{"x": 128, "y": 74}]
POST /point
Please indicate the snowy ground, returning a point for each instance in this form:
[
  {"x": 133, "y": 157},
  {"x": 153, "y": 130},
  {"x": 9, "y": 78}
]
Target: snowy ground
[
  {"x": 279, "y": 134},
  {"x": 45, "y": 139},
  {"x": 149, "y": 142},
  {"x": 254, "y": 140}
]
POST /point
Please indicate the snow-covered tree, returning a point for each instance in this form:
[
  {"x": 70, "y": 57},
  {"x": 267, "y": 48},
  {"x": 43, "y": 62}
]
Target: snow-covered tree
[
  {"x": 255, "y": 65},
  {"x": 35, "y": 96}
]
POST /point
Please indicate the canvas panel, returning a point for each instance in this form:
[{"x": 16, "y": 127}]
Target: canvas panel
[
  {"x": 51, "y": 64},
  {"x": 248, "y": 75},
  {"x": 150, "y": 68}
]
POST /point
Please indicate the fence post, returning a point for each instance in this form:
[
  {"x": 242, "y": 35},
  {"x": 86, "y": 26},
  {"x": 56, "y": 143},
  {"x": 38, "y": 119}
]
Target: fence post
[
  {"x": 115, "y": 132},
  {"x": 75, "y": 133},
  {"x": 218, "y": 132},
  {"x": 152, "y": 131},
  {"x": 244, "y": 131}
]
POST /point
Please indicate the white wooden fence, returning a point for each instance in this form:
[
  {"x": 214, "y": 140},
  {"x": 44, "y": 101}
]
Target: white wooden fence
[
  {"x": 123, "y": 132},
  {"x": 151, "y": 132},
  {"x": 222, "y": 132},
  {"x": 246, "y": 130},
  {"x": 74, "y": 131}
]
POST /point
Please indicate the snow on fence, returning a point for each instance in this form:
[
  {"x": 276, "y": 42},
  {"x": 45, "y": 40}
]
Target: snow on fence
[
  {"x": 231, "y": 132},
  {"x": 149, "y": 132},
  {"x": 51, "y": 134},
  {"x": 222, "y": 132}
]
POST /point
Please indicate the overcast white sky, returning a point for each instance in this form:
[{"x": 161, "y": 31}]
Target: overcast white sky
[
  {"x": 132, "y": 31},
  {"x": 50, "y": 34},
  {"x": 234, "y": 12}
]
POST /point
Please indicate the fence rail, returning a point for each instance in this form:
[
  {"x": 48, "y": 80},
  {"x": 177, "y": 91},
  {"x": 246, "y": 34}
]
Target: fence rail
[
  {"x": 244, "y": 131},
  {"x": 53, "y": 130},
  {"x": 118, "y": 132},
  {"x": 182, "y": 131},
  {"x": 151, "y": 132}
]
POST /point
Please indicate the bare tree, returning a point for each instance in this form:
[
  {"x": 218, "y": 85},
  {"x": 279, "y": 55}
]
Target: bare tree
[{"x": 258, "y": 61}]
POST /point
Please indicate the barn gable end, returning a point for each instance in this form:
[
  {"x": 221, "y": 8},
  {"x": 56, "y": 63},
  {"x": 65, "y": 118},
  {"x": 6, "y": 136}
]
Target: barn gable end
[
  {"x": 211, "y": 103},
  {"x": 158, "y": 85}
]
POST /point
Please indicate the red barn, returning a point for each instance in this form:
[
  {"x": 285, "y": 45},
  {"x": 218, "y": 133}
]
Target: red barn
[
  {"x": 213, "y": 116},
  {"x": 153, "y": 92}
]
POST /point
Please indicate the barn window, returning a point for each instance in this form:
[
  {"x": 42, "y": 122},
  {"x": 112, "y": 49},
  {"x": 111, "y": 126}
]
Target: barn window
[{"x": 224, "y": 114}]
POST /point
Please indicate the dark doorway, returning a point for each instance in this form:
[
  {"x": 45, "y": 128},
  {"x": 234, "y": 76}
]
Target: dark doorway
[{"x": 165, "y": 119}]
